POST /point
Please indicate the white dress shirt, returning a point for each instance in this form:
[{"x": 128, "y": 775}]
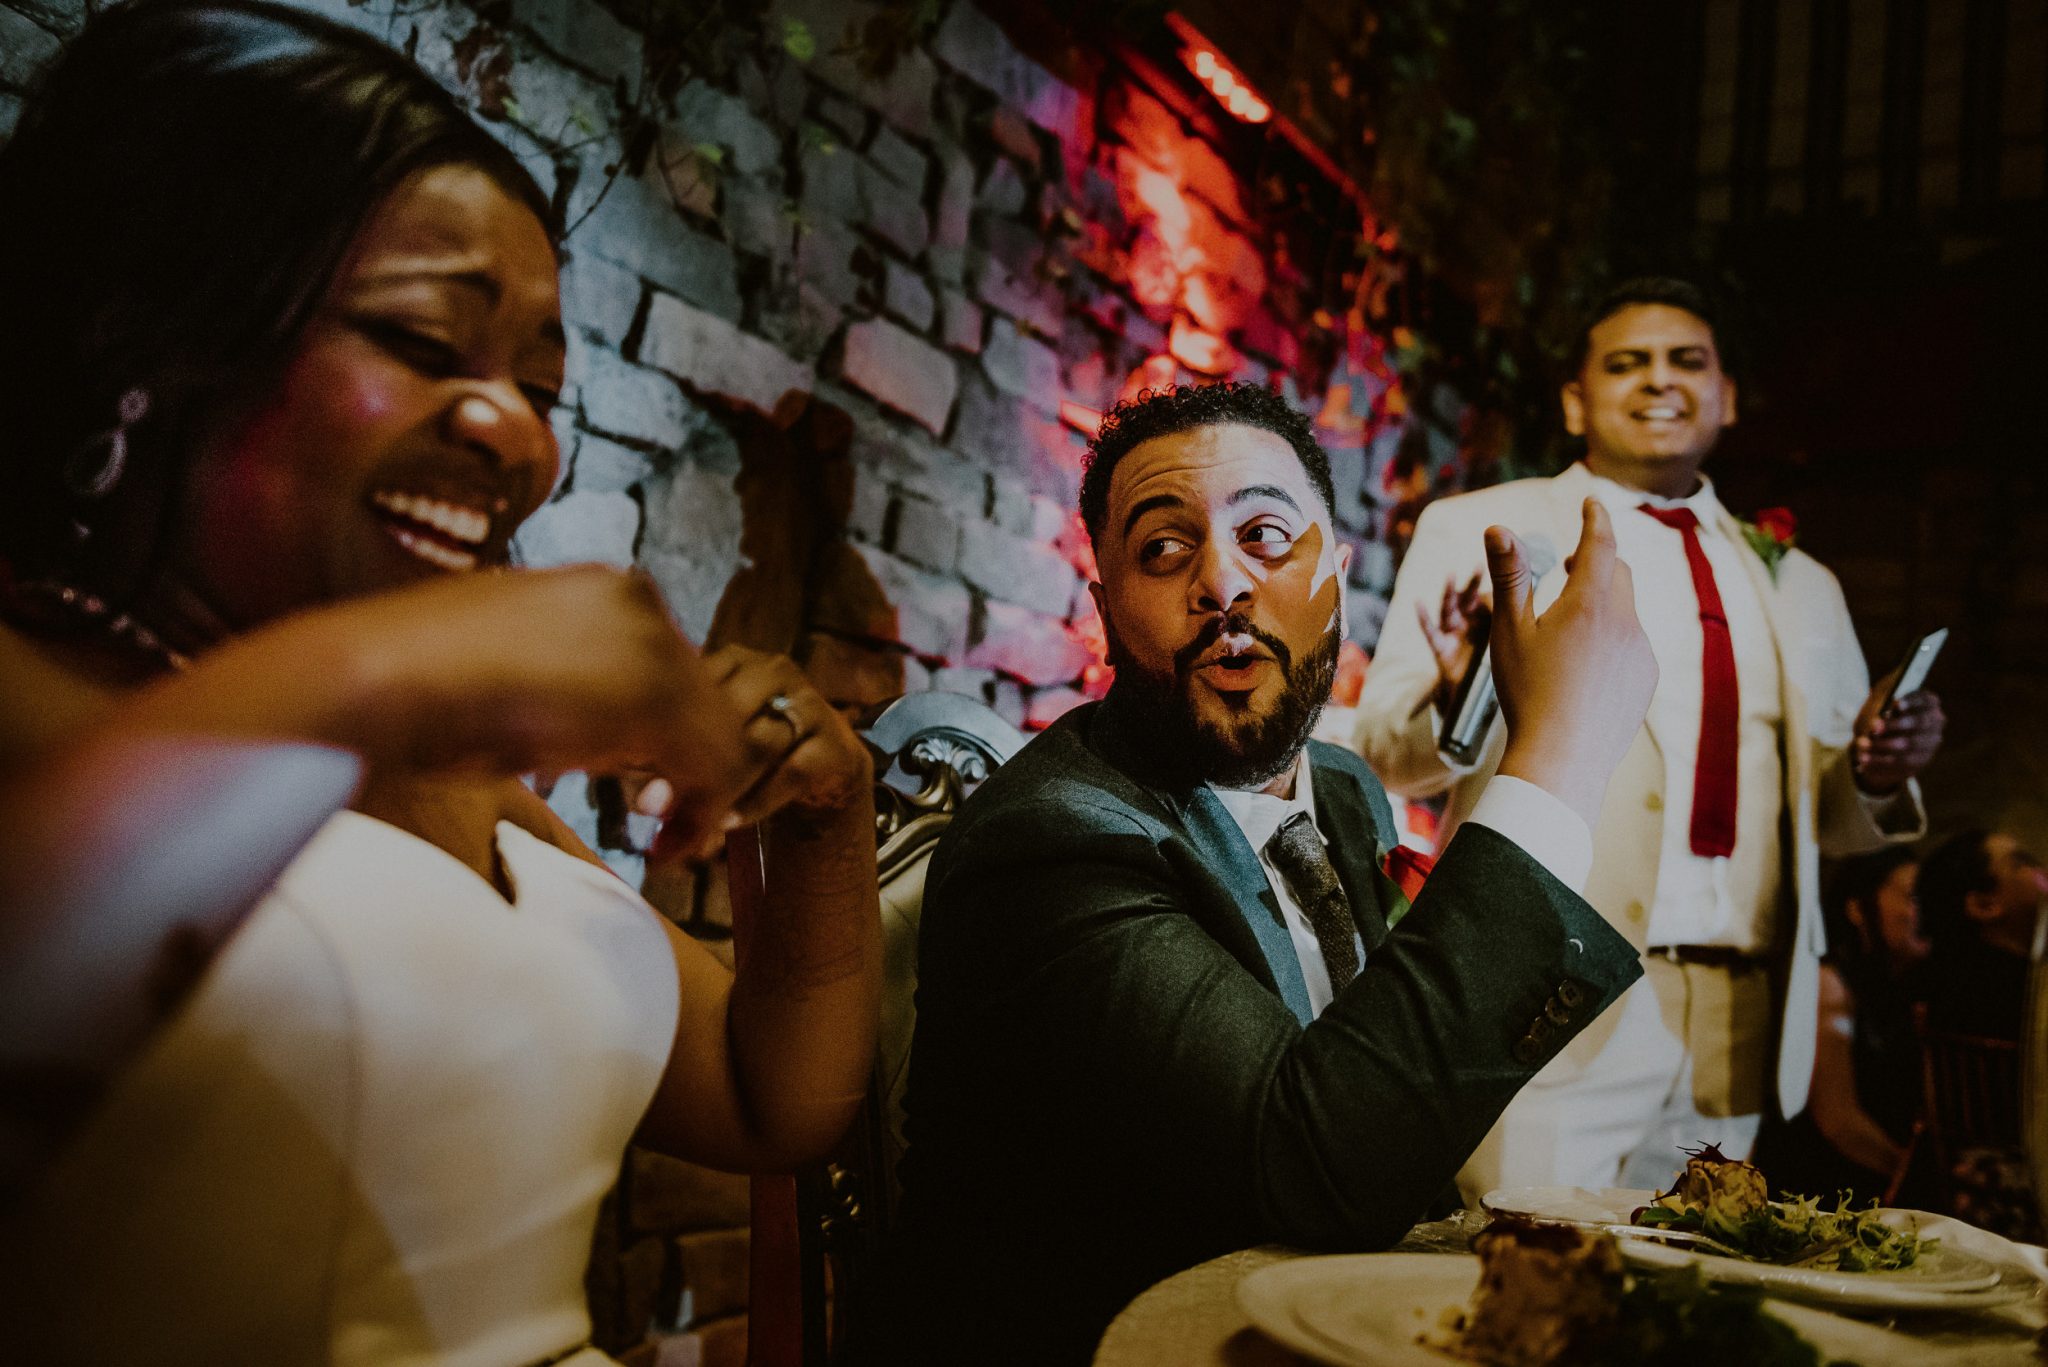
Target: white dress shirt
[
  {"x": 1543, "y": 826},
  {"x": 1694, "y": 904}
]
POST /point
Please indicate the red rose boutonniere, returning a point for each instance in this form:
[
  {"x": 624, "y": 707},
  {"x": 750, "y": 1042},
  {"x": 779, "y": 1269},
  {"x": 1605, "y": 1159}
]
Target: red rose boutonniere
[
  {"x": 1405, "y": 871},
  {"x": 1770, "y": 534}
]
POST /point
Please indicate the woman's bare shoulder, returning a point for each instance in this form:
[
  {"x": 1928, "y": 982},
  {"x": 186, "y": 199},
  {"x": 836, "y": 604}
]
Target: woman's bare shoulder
[{"x": 45, "y": 701}]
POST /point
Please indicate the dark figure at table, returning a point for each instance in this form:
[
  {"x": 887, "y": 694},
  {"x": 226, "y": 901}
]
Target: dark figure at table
[
  {"x": 1981, "y": 896},
  {"x": 1980, "y": 893},
  {"x": 1170, "y": 1003},
  {"x": 1854, "y": 1133}
]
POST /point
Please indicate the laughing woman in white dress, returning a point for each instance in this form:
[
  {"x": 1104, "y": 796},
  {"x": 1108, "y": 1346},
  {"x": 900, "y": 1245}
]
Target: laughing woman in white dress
[{"x": 279, "y": 337}]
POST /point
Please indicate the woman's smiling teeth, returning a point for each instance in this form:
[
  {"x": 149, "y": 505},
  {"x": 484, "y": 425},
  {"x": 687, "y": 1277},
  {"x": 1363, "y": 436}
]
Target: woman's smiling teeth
[{"x": 446, "y": 535}]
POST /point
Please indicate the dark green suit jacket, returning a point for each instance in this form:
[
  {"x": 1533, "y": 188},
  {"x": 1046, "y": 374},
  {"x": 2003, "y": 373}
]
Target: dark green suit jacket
[{"x": 1114, "y": 1073}]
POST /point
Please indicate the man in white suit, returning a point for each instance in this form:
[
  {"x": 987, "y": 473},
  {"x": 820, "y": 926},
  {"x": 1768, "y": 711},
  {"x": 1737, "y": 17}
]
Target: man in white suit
[{"x": 1763, "y": 749}]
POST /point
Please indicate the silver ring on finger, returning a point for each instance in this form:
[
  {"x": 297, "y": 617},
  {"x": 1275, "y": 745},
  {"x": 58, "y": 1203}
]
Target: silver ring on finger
[{"x": 782, "y": 708}]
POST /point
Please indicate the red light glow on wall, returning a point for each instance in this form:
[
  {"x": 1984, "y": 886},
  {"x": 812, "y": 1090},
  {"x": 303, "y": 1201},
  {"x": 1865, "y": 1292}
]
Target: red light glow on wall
[
  {"x": 1226, "y": 84},
  {"x": 1083, "y": 419}
]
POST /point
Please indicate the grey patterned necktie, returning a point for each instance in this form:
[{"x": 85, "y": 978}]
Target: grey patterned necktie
[{"x": 1297, "y": 852}]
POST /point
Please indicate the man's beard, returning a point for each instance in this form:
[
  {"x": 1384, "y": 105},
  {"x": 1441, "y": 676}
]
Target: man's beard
[{"x": 1246, "y": 752}]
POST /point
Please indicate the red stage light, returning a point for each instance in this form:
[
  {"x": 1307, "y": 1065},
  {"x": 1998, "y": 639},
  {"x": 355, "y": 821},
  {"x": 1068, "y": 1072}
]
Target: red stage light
[{"x": 1230, "y": 89}]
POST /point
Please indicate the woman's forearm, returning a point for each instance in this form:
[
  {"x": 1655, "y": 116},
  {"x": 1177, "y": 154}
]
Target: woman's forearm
[
  {"x": 1844, "y": 1123},
  {"x": 808, "y": 988}
]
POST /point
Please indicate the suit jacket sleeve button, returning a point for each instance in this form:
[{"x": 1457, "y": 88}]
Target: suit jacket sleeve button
[
  {"x": 1569, "y": 993},
  {"x": 1555, "y": 1010},
  {"x": 1527, "y": 1050}
]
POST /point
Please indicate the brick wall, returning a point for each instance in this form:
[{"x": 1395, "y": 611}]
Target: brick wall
[{"x": 836, "y": 340}]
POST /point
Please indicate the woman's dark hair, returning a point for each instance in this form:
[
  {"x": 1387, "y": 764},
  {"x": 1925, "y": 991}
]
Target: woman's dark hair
[
  {"x": 1859, "y": 880},
  {"x": 178, "y": 194},
  {"x": 1957, "y": 867},
  {"x": 1159, "y": 413}
]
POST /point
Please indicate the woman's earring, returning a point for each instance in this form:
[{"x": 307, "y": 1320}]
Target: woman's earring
[{"x": 98, "y": 466}]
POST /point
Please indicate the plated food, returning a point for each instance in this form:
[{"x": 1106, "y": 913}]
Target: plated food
[
  {"x": 1405, "y": 1310},
  {"x": 1718, "y": 1218},
  {"x": 1550, "y": 1295},
  {"x": 1729, "y": 1202}
]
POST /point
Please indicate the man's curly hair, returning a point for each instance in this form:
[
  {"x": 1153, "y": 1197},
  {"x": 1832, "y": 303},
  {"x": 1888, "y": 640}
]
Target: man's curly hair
[{"x": 1181, "y": 408}]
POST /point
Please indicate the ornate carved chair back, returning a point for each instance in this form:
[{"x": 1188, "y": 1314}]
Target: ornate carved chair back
[{"x": 931, "y": 750}]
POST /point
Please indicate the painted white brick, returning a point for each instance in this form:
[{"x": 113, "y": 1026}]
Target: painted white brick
[
  {"x": 1028, "y": 645},
  {"x": 713, "y": 356},
  {"x": 909, "y": 375},
  {"x": 600, "y": 298},
  {"x": 927, "y": 534},
  {"x": 621, "y": 399},
  {"x": 578, "y": 528},
  {"x": 905, "y": 295},
  {"x": 1014, "y": 569}
]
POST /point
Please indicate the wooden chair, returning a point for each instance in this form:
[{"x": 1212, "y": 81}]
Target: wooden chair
[
  {"x": 1909, "y": 1152},
  {"x": 931, "y": 750},
  {"x": 1970, "y": 1098}
]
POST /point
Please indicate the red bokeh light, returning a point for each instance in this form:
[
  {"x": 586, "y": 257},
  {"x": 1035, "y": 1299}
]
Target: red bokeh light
[
  {"x": 1231, "y": 89},
  {"x": 1079, "y": 416}
]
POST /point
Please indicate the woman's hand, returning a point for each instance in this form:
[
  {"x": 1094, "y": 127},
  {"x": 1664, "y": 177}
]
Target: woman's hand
[
  {"x": 511, "y": 673},
  {"x": 808, "y": 761},
  {"x": 802, "y": 759}
]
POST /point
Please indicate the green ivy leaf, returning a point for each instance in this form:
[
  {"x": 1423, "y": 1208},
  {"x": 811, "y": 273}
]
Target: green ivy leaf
[
  {"x": 797, "y": 40},
  {"x": 512, "y": 110},
  {"x": 710, "y": 153},
  {"x": 585, "y": 121},
  {"x": 817, "y": 139}
]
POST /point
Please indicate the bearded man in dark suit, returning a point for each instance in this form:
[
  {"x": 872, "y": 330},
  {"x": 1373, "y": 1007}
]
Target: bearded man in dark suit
[{"x": 1169, "y": 1003}]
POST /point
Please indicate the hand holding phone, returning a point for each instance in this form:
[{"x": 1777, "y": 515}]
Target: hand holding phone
[
  {"x": 1911, "y": 675},
  {"x": 1901, "y": 725}
]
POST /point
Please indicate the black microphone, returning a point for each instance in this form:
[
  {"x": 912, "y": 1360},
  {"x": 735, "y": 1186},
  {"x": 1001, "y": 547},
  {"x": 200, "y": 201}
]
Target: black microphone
[{"x": 1475, "y": 703}]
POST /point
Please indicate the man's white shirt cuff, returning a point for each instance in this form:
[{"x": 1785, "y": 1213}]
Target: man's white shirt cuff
[{"x": 1547, "y": 830}]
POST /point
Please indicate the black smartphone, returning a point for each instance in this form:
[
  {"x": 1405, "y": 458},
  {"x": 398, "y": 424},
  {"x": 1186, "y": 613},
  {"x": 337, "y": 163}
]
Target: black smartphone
[{"x": 1911, "y": 674}]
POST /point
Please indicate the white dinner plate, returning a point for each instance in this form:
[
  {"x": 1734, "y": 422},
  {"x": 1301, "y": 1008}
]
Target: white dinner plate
[
  {"x": 1568, "y": 1205},
  {"x": 1385, "y": 1310},
  {"x": 1968, "y": 1268}
]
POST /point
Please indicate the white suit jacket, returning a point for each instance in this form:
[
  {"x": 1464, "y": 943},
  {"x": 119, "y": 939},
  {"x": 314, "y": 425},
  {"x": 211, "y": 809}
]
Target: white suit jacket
[{"x": 1824, "y": 684}]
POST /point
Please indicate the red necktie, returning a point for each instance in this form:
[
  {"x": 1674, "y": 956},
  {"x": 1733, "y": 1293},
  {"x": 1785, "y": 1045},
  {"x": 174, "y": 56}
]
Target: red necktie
[{"x": 1713, "y": 788}]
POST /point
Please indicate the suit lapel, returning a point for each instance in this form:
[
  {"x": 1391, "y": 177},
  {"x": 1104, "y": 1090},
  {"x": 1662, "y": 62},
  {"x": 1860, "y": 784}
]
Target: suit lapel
[
  {"x": 1791, "y": 701},
  {"x": 1798, "y": 749},
  {"x": 1222, "y": 845},
  {"x": 1766, "y": 587},
  {"x": 1355, "y": 841}
]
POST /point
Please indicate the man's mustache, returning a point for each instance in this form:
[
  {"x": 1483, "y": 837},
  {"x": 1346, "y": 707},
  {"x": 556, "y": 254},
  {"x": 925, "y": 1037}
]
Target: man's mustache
[{"x": 1232, "y": 624}]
